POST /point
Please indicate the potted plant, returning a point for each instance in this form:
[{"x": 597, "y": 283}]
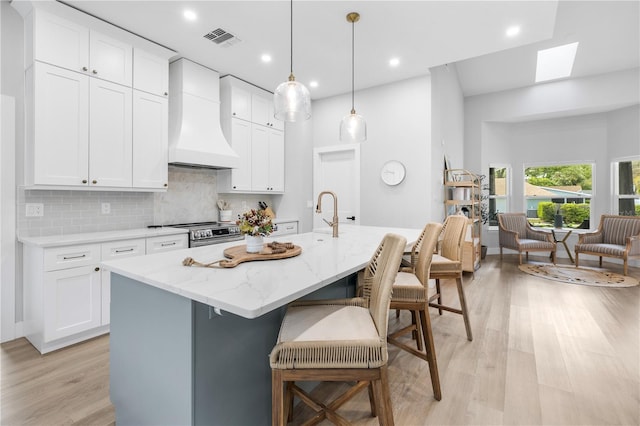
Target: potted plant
[{"x": 255, "y": 225}]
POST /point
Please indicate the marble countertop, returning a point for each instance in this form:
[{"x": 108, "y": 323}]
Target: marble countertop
[
  {"x": 99, "y": 237},
  {"x": 254, "y": 288}
]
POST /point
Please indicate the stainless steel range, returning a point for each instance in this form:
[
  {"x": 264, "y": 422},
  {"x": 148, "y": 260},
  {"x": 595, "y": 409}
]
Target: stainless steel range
[{"x": 207, "y": 233}]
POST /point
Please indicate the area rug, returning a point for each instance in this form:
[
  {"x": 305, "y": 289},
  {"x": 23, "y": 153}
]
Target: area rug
[{"x": 582, "y": 275}]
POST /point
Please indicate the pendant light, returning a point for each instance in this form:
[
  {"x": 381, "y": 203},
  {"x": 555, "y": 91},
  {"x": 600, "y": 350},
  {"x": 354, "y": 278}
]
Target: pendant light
[
  {"x": 292, "y": 101},
  {"x": 353, "y": 127}
]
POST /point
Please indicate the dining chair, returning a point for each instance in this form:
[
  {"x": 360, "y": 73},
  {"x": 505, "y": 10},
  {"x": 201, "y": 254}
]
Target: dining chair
[
  {"x": 447, "y": 264},
  {"x": 341, "y": 340},
  {"x": 411, "y": 293}
]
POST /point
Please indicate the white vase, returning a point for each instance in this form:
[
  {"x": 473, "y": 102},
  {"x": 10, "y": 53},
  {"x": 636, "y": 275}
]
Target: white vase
[{"x": 254, "y": 243}]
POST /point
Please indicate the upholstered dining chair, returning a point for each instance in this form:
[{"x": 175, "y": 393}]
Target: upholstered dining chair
[
  {"x": 515, "y": 233},
  {"x": 447, "y": 264},
  {"x": 340, "y": 340},
  {"x": 411, "y": 293},
  {"x": 616, "y": 236}
]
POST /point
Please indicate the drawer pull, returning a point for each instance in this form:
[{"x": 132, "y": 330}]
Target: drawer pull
[
  {"x": 97, "y": 269},
  {"x": 173, "y": 243},
  {"x": 124, "y": 251},
  {"x": 74, "y": 257}
]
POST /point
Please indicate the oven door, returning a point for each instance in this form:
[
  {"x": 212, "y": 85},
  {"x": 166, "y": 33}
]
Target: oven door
[{"x": 215, "y": 240}]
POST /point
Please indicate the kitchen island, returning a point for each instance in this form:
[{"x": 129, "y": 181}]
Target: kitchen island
[{"x": 190, "y": 345}]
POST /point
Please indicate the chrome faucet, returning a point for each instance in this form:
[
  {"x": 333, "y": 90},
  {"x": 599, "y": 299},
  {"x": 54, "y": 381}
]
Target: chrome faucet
[{"x": 334, "y": 223}]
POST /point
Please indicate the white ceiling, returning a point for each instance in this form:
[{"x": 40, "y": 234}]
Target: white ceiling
[{"x": 422, "y": 34}]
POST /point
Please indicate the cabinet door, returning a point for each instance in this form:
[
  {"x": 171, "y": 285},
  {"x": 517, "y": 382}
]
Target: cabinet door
[
  {"x": 240, "y": 103},
  {"x": 259, "y": 158},
  {"x": 110, "y": 59},
  {"x": 260, "y": 110},
  {"x": 276, "y": 160},
  {"x": 150, "y": 140},
  {"x": 60, "y": 42},
  {"x": 60, "y": 148},
  {"x": 110, "y": 134},
  {"x": 71, "y": 301},
  {"x": 241, "y": 144},
  {"x": 275, "y": 123},
  {"x": 150, "y": 73}
]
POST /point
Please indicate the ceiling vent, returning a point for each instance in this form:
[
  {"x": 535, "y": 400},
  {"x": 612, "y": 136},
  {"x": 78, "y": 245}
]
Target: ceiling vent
[{"x": 222, "y": 38}]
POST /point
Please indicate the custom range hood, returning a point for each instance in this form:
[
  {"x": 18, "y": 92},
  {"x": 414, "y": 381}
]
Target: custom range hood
[{"x": 195, "y": 135}]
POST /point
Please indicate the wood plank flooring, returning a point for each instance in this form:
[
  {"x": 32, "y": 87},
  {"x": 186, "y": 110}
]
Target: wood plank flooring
[{"x": 543, "y": 353}]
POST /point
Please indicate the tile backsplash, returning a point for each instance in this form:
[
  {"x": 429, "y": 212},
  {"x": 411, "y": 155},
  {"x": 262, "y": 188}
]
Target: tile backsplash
[{"x": 192, "y": 197}]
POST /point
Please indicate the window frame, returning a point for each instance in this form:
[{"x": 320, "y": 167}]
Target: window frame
[
  {"x": 508, "y": 191},
  {"x": 615, "y": 183}
]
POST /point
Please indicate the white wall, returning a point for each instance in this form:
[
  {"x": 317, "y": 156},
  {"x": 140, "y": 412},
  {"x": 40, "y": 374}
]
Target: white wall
[
  {"x": 398, "y": 120},
  {"x": 624, "y": 133},
  {"x": 447, "y": 130}
]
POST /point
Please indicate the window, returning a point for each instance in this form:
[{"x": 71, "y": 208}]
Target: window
[
  {"x": 498, "y": 196},
  {"x": 559, "y": 190},
  {"x": 627, "y": 187}
]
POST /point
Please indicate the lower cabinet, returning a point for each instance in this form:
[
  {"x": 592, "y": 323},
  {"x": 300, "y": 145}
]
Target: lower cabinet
[{"x": 67, "y": 294}]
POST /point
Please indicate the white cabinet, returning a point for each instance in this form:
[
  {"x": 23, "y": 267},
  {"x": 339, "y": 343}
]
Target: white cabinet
[
  {"x": 66, "y": 292},
  {"x": 75, "y": 47},
  {"x": 167, "y": 243},
  {"x": 79, "y": 73},
  {"x": 285, "y": 228},
  {"x": 150, "y": 140},
  {"x": 150, "y": 73},
  {"x": 57, "y": 148},
  {"x": 110, "y": 137},
  {"x": 267, "y": 159},
  {"x": 111, "y": 251},
  {"x": 257, "y": 138}
]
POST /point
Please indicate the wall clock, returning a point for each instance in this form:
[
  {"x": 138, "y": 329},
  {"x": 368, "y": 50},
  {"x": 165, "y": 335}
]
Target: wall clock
[{"x": 393, "y": 172}]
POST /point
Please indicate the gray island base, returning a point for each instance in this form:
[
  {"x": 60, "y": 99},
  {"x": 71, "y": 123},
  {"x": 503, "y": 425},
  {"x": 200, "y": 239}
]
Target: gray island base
[{"x": 190, "y": 346}]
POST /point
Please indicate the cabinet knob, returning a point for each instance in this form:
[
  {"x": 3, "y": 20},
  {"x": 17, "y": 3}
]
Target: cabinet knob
[
  {"x": 95, "y": 71},
  {"x": 97, "y": 268},
  {"x": 84, "y": 181},
  {"x": 166, "y": 94},
  {"x": 94, "y": 181},
  {"x": 234, "y": 187},
  {"x": 84, "y": 68},
  {"x": 233, "y": 113},
  {"x": 165, "y": 185}
]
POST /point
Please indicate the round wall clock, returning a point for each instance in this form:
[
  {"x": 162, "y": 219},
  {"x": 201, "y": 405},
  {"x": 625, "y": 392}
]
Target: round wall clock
[{"x": 393, "y": 172}]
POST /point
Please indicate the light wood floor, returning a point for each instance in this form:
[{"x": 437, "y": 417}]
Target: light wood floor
[{"x": 543, "y": 353}]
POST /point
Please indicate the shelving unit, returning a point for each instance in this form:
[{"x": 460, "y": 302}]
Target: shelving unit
[{"x": 462, "y": 195}]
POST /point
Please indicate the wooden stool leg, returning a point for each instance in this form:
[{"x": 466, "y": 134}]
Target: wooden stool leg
[
  {"x": 385, "y": 412},
  {"x": 372, "y": 400},
  {"x": 277, "y": 399},
  {"x": 439, "y": 295},
  {"x": 416, "y": 333},
  {"x": 431, "y": 353},
  {"x": 463, "y": 308}
]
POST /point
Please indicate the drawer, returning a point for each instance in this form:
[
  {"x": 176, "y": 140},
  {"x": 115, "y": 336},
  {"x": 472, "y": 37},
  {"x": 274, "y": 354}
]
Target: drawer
[
  {"x": 121, "y": 249},
  {"x": 167, "y": 243},
  {"x": 285, "y": 228},
  {"x": 58, "y": 258}
]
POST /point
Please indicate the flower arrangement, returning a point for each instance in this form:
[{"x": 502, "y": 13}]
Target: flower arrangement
[{"x": 255, "y": 222}]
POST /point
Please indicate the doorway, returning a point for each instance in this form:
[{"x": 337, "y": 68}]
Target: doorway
[{"x": 337, "y": 169}]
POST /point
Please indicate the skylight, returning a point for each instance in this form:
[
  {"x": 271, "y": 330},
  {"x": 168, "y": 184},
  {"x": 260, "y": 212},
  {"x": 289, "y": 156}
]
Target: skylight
[{"x": 556, "y": 62}]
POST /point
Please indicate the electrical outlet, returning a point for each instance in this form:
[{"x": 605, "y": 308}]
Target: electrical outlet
[
  {"x": 106, "y": 208},
  {"x": 34, "y": 210}
]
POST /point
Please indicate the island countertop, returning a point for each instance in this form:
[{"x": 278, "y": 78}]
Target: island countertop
[{"x": 252, "y": 289}]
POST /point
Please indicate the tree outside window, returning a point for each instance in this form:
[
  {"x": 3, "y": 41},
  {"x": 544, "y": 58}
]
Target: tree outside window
[{"x": 628, "y": 187}]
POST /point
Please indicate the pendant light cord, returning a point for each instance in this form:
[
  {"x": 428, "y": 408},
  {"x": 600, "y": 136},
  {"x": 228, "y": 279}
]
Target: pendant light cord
[
  {"x": 353, "y": 24},
  {"x": 291, "y": 35}
]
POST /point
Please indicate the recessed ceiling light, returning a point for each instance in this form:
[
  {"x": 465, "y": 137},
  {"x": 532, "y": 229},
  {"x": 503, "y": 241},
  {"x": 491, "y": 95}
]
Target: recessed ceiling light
[
  {"x": 266, "y": 58},
  {"x": 190, "y": 15},
  {"x": 313, "y": 84},
  {"x": 513, "y": 31},
  {"x": 394, "y": 62},
  {"x": 556, "y": 62}
]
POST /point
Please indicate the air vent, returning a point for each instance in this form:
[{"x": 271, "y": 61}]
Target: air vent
[{"x": 222, "y": 38}]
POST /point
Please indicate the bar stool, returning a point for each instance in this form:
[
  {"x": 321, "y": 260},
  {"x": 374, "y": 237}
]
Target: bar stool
[
  {"x": 447, "y": 264},
  {"x": 338, "y": 340},
  {"x": 411, "y": 292}
]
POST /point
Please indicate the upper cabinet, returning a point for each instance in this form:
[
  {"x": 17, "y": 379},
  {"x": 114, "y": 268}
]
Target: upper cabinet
[
  {"x": 256, "y": 136},
  {"x": 96, "y": 103}
]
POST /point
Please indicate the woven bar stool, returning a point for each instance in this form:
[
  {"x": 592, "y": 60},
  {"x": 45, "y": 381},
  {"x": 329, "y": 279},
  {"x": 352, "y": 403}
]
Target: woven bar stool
[
  {"x": 411, "y": 292},
  {"x": 447, "y": 264},
  {"x": 338, "y": 340}
]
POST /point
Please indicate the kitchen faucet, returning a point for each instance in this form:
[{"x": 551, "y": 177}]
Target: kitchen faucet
[{"x": 334, "y": 223}]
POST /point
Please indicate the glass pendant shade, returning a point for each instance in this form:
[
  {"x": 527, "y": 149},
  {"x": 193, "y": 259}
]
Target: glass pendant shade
[
  {"x": 292, "y": 101},
  {"x": 353, "y": 128}
]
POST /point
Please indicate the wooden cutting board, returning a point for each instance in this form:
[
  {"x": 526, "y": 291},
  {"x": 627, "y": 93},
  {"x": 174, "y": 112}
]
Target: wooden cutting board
[{"x": 238, "y": 254}]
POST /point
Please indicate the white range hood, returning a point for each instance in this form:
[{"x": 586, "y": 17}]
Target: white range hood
[{"x": 195, "y": 135}]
